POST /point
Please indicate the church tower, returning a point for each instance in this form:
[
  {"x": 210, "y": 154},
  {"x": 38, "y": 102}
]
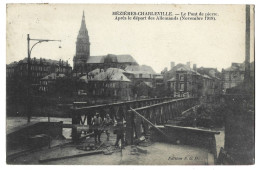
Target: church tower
[{"x": 82, "y": 48}]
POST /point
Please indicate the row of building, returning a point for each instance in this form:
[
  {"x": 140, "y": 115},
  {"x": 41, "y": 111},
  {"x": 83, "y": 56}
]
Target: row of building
[{"x": 132, "y": 81}]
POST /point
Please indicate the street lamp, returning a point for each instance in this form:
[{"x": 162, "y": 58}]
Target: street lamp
[{"x": 29, "y": 107}]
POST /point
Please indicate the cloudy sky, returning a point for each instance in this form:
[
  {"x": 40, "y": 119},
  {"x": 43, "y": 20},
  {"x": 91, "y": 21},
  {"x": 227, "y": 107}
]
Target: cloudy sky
[{"x": 155, "y": 43}]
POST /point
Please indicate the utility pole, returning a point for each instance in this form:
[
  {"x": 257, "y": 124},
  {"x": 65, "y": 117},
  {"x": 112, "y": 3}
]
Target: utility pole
[
  {"x": 28, "y": 107},
  {"x": 29, "y": 96}
]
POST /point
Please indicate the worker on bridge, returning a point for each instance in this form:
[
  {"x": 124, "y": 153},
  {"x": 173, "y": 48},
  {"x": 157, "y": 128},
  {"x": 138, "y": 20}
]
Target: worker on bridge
[
  {"x": 119, "y": 132},
  {"x": 106, "y": 124},
  {"x": 96, "y": 124}
]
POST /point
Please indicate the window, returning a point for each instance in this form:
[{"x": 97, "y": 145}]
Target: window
[
  {"x": 172, "y": 85},
  {"x": 226, "y": 76},
  {"x": 233, "y": 84},
  {"x": 181, "y": 78},
  {"x": 181, "y": 86}
]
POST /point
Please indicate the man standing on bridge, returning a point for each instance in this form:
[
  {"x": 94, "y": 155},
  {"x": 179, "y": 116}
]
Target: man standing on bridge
[
  {"x": 97, "y": 122},
  {"x": 119, "y": 132},
  {"x": 107, "y": 123}
]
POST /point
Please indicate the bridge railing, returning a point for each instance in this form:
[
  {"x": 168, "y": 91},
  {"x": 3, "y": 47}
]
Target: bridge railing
[{"x": 82, "y": 114}]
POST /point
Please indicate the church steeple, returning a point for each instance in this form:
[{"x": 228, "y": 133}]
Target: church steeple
[
  {"x": 82, "y": 45},
  {"x": 83, "y": 32}
]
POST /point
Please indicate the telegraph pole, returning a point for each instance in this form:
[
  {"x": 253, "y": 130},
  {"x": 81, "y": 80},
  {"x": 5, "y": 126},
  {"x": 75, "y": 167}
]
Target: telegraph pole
[
  {"x": 29, "y": 96},
  {"x": 28, "y": 107}
]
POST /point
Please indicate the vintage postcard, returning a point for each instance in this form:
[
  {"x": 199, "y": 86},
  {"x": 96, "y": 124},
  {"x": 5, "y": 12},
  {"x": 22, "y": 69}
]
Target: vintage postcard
[{"x": 110, "y": 84}]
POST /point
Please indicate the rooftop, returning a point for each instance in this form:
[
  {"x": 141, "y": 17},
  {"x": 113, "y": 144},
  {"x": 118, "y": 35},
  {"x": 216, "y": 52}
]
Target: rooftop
[
  {"x": 140, "y": 69},
  {"x": 53, "y": 76},
  {"x": 112, "y": 58},
  {"x": 240, "y": 66},
  {"x": 41, "y": 61},
  {"x": 111, "y": 74}
]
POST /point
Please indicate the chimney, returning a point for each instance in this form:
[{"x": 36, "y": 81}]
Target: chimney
[
  {"x": 235, "y": 64},
  {"x": 195, "y": 67},
  {"x": 247, "y": 52},
  {"x": 172, "y": 64},
  {"x": 188, "y": 64}
]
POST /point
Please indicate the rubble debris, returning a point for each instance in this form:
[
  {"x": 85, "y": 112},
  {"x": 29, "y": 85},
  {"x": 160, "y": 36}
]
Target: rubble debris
[
  {"x": 88, "y": 135},
  {"x": 87, "y": 147},
  {"x": 99, "y": 145},
  {"x": 145, "y": 143},
  {"x": 139, "y": 140},
  {"x": 108, "y": 152},
  {"x": 141, "y": 150},
  {"x": 135, "y": 150}
]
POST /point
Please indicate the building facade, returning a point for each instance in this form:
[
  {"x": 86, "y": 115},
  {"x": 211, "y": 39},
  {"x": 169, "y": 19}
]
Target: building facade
[
  {"x": 107, "y": 84},
  {"x": 234, "y": 75},
  {"x": 184, "y": 81},
  {"x": 17, "y": 74},
  {"x": 39, "y": 69}
]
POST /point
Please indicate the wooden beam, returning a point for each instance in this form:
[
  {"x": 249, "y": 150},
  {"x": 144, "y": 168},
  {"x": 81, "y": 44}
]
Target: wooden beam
[
  {"x": 193, "y": 129},
  {"x": 70, "y": 156},
  {"x": 120, "y": 103},
  {"x": 185, "y": 111},
  {"x": 87, "y": 135}
]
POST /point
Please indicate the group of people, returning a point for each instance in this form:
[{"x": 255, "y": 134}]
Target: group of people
[{"x": 99, "y": 126}]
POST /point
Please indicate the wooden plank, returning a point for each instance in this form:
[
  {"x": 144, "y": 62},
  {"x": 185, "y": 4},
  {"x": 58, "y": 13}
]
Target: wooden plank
[
  {"x": 70, "y": 156},
  {"x": 190, "y": 109},
  {"x": 120, "y": 103},
  {"x": 68, "y": 126},
  {"x": 81, "y": 127},
  {"x": 90, "y": 134},
  {"x": 193, "y": 129}
]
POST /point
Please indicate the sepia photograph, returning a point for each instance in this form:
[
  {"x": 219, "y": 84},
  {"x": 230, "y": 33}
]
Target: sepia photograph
[{"x": 130, "y": 84}]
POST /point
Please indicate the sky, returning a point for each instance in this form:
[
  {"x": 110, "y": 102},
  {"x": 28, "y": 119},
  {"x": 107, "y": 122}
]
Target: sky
[{"x": 155, "y": 43}]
